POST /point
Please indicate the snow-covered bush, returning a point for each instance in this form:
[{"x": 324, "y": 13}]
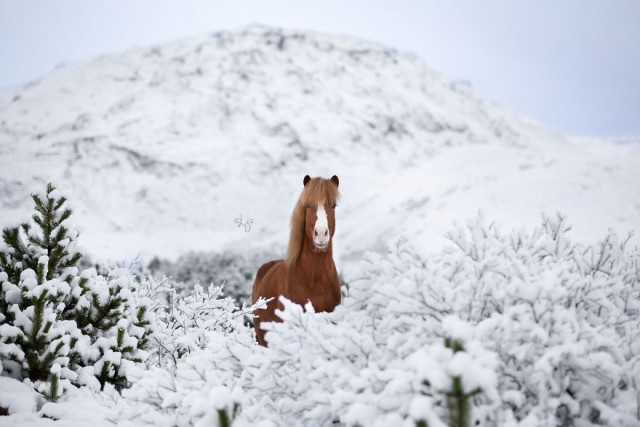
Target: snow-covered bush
[
  {"x": 320, "y": 368},
  {"x": 357, "y": 369},
  {"x": 551, "y": 333},
  {"x": 302, "y": 382},
  {"x": 58, "y": 327},
  {"x": 185, "y": 324},
  {"x": 197, "y": 355},
  {"x": 235, "y": 271},
  {"x": 523, "y": 328},
  {"x": 564, "y": 319}
]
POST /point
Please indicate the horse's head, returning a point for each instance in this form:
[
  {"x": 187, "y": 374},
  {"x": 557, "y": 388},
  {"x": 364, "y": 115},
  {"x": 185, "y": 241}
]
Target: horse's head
[
  {"x": 313, "y": 217},
  {"x": 319, "y": 198}
]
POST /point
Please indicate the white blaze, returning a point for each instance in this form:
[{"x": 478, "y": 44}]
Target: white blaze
[
  {"x": 322, "y": 227},
  {"x": 322, "y": 221}
]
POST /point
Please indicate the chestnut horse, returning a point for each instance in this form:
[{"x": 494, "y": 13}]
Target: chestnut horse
[{"x": 308, "y": 272}]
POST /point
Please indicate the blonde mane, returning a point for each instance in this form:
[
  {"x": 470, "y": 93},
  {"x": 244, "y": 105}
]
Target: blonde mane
[{"x": 317, "y": 191}]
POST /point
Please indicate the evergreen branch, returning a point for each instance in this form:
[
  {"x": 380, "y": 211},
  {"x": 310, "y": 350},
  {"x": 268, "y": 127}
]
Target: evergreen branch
[
  {"x": 60, "y": 202},
  {"x": 50, "y": 201},
  {"x": 51, "y": 356},
  {"x": 38, "y": 202},
  {"x": 65, "y": 215},
  {"x": 61, "y": 234},
  {"x": 53, "y": 388}
]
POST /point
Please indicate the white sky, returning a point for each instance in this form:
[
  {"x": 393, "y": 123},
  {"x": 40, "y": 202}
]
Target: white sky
[{"x": 572, "y": 64}]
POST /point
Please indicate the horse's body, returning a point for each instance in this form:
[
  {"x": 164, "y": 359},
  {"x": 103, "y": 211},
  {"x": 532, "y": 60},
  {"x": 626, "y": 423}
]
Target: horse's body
[{"x": 308, "y": 272}]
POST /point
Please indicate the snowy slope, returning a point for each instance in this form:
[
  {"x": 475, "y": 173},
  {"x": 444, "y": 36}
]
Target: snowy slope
[{"x": 159, "y": 149}]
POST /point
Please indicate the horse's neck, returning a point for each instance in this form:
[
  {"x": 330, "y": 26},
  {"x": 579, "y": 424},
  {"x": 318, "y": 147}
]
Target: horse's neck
[
  {"x": 314, "y": 279},
  {"x": 312, "y": 263}
]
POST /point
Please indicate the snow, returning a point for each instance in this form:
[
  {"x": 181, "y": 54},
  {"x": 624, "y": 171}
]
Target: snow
[
  {"x": 219, "y": 397},
  {"x": 12, "y": 293},
  {"x": 28, "y": 278},
  {"x": 18, "y": 397},
  {"x": 159, "y": 149},
  {"x": 9, "y": 331},
  {"x": 22, "y": 319}
]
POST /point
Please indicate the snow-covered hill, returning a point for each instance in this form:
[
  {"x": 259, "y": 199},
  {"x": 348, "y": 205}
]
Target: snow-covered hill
[{"x": 159, "y": 149}]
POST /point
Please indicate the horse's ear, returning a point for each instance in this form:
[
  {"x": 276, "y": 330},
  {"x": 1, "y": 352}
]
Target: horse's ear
[
  {"x": 335, "y": 180},
  {"x": 306, "y": 180}
]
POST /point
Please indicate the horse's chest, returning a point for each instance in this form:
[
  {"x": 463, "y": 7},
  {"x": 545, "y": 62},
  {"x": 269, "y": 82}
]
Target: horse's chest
[
  {"x": 324, "y": 303},
  {"x": 324, "y": 296}
]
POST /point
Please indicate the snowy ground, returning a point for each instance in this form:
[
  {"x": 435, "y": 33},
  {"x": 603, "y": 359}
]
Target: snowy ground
[{"x": 159, "y": 150}]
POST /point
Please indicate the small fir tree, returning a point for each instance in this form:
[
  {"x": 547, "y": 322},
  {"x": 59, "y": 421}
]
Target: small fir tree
[
  {"x": 45, "y": 236},
  {"x": 55, "y": 323}
]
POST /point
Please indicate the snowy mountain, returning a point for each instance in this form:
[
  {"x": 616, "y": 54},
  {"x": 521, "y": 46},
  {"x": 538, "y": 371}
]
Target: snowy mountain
[{"x": 160, "y": 148}]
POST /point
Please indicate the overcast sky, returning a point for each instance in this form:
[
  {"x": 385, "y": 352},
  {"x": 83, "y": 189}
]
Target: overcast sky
[{"x": 572, "y": 64}]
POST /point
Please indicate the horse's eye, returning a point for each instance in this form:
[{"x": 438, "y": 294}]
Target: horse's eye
[
  {"x": 334, "y": 206},
  {"x": 308, "y": 206}
]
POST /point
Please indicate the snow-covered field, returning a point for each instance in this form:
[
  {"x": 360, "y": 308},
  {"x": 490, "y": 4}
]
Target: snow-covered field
[{"x": 159, "y": 149}]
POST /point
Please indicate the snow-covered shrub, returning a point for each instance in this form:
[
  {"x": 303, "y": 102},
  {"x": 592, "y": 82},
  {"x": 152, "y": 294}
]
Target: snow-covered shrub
[
  {"x": 550, "y": 331},
  {"x": 564, "y": 319},
  {"x": 522, "y": 328},
  {"x": 320, "y": 368},
  {"x": 60, "y": 328},
  {"x": 185, "y": 324},
  {"x": 197, "y": 355},
  {"x": 353, "y": 368},
  {"x": 235, "y": 271},
  {"x": 116, "y": 320}
]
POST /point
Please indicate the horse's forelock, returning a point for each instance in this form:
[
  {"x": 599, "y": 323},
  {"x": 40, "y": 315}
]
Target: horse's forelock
[{"x": 320, "y": 191}]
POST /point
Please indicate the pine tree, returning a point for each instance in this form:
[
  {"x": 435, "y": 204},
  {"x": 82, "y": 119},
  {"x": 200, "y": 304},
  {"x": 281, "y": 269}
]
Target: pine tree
[
  {"x": 54, "y": 322},
  {"x": 34, "y": 317},
  {"x": 51, "y": 238}
]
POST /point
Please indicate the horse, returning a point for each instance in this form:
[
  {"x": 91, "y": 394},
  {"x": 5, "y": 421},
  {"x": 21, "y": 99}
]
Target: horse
[{"x": 307, "y": 273}]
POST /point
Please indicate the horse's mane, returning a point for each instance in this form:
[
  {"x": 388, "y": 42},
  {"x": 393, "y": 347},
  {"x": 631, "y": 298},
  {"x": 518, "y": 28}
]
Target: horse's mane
[{"x": 316, "y": 191}]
